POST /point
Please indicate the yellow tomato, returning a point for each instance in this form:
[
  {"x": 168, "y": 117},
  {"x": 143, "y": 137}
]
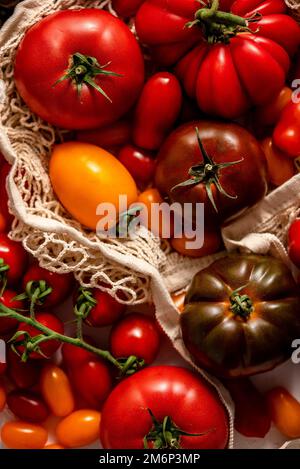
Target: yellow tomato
[
  {"x": 23, "y": 435},
  {"x": 154, "y": 223},
  {"x": 56, "y": 390},
  {"x": 285, "y": 412},
  {"x": 84, "y": 176},
  {"x": 81, "y": 428},
  {"x": 54, "y": 446}
]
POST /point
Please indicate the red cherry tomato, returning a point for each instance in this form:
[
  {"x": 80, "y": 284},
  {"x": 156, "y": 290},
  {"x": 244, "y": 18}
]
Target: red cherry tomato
[
  {"x": 24, "y": 375},
  {"x": 74, "y": 356},
  {"x": 271, "y": 112},
  {"x": 2, "y": 397},
  {"x": 287, "y": 132},
  {"x": 139, "y": 163},
  {"x": 93, "y": 382},
  {"x": 114, "y": 135},
  {"x": 49, "y": 347},
  {"x": 7, "y": 218},
  {"x": 294, "y": 242},
  {"x": 107, "y": 310},
  {"x": 23, "y": 435},
  {"x": 61, "y": 284},
  {"x": 136, "y": 335},
  {"x": 7, "y": 299},
  {"x": 126, "y": 8},
  {"x": 3, "y": 367},
  {"x": 27, "y": 406},
  {"x": 157, "y": 110},
  {"x": 15, "y": 257}
]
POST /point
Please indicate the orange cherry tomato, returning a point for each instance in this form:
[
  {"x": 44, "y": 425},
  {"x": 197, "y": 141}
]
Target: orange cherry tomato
[
  {"x": 56, "y": 390},
  {"x": 54, "y": 446},
  {"x": 2, "y": 398},
  {"x": 178, "y": 300},
  {"x": 81, "y": 428},
  {"x": 285, "y": 411},
  {"x": 212, "y": 244},
  {"x": 270, "y": 113},
  {"x": 154, "y": 223},
  {"x": 281, "y": 167},
  {"x": 95, "y": 177},
  {"x": 23, "y": 435}
]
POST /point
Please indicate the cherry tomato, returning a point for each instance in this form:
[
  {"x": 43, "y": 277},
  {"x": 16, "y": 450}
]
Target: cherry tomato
[
  {"x": 285, "y": 411},
  {"x": 126, "y": 8},
  {"x": 93, "y": 382},
  {"x": 95, "y": 167},
  {"x": 110, "y": 136},
  {"x": 56, "y": 390},
  {"x": 15, "y": 257},
  {"x": 270, "y": 113},
  {"x": 6, "y": 217},
  {"x": 281, "y": 168},
  {"x": 294, "y": 242},
  {"x": 27, "y": 406},
  {"x": 74, "y": 356},
  {"x": 136, "y": 335},
  {"x": 81, "y": 428},
  {"x": 212, "y": 244},
  {"x": 287, "y": 132},
  {"x": 157, "y": 110},
  {"x": 24, "y": 375},
  {"x": 23, "y": 435},
  {"x": 54, "y": 446},
  {"x": 159, "y": 223},
  {"x": 2, "y": 398},
  {"x": 178, "y": 300},
  {"x": 139, "y": 163},
  {"x": 7, "y": 299},
  {"x": 107, "y": 310},
  {"x": 49, "y": 347},
  {"x": 61, "y": 284}
]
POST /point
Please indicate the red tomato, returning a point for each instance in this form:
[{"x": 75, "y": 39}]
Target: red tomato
[
  {"x": 110, "y": 136},
  {"x": 49, "y": 347},
  {"x": 92, "y": 381},
  {"x": 27, "y": 406},
  {"x": 23, "y": 375},
  {"x": 101, "y": 83},
  {"x": 139, "y": 163},
  {"x": 3, "y": 367},
  {"x": 2, "y": 397},
  {"x": 212, "y": 244},
  {"x": 74, "y": 356},
  {"x": 7, "y": 217},
  {"x": 61, "y": 284},
  {"x": 287, "y": 132},
  {"x": 251, "y": 414},
  {"x": 107, "y": 310},
  {"x": 294, "y": 242},
  {"x": 137, "y": 335},
  {"x": 15, "y": 257},
  {"x": 191, "y": 405},
  {"x": 157, "y": 110},
  {"x": 247, "y": 69},
  {"x": 281, "y": 168},
  {"x": 126, "y": 8},
  {"x": 7, "y": 299},
  {"x": 271, "y": 112}
]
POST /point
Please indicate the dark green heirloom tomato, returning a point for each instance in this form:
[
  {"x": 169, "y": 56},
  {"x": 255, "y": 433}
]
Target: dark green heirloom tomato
[{"x": 241, "y": 315}]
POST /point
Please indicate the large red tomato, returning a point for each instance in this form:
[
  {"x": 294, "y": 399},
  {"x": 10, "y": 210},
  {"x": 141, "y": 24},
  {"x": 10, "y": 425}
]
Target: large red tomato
[
  {"x": 169, "y": 401},
  {"x": 220, "y": 60},
  {"x": 79, "y": 69}
]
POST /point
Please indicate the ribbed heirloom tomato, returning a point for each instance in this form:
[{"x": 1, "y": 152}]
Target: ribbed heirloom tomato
[{"x": 73, "y": 68}]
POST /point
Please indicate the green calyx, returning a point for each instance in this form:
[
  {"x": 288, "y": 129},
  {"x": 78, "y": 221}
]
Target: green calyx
[
  {"x": 165, "y": 434},
  {"x": 83, "y": 70},
  {"x": 241, "y": 305},
  {"x": 207, "y": 173},
  {"x": 220, "y": 26}
]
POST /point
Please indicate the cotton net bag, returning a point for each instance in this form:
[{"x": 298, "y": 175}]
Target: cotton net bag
[{"x": 137, "y": 271}]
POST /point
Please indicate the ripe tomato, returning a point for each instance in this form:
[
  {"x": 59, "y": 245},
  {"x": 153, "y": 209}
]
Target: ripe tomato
[
  {"x": 212, "y": 244},
  {"x": 74, "y": 356},
  {"x": 87, "y": 80},
  {"x": 159, "y": 223},
  {"x": 126, "y": 8},
  {"x": 56, "y": 390},
  {"x": 3, "y": 368},
  {"x": 287, "y": 132},
  {"x": 107, "y": 310},
  {"x": 81, "y": 428},
  {"x": 14, "y": 255},
  {"x": 23, "y": 435},
  {"x": 157, "y": 110},
  {"x": 6, "y": 217},
  {"x": 139, "y": 163},
  {"x": 271, "y": 112},
  {"x": 105, "y": 178},
  {"x": 49, "y": 347},
  {"x": 188, "y": 402},
  {"x": 285, "y": 411},
  {"x": 24, "y": 375},
  {"x": 7, "y": 325},
  {"x": 294, "y": 242},
  {"x": 92, "y": 381},
  {"x": 110, "y": 136},
  {"x": 281, "y": 168},
  {"x": 54, "y": 446},
  {"x": 27, "y": 406},
  {"x": 137, "y": 335},
  {"x": 253, "y": 65},
  {"x": 2, "y": 398},
  {"x": 61, "y": 284}
]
